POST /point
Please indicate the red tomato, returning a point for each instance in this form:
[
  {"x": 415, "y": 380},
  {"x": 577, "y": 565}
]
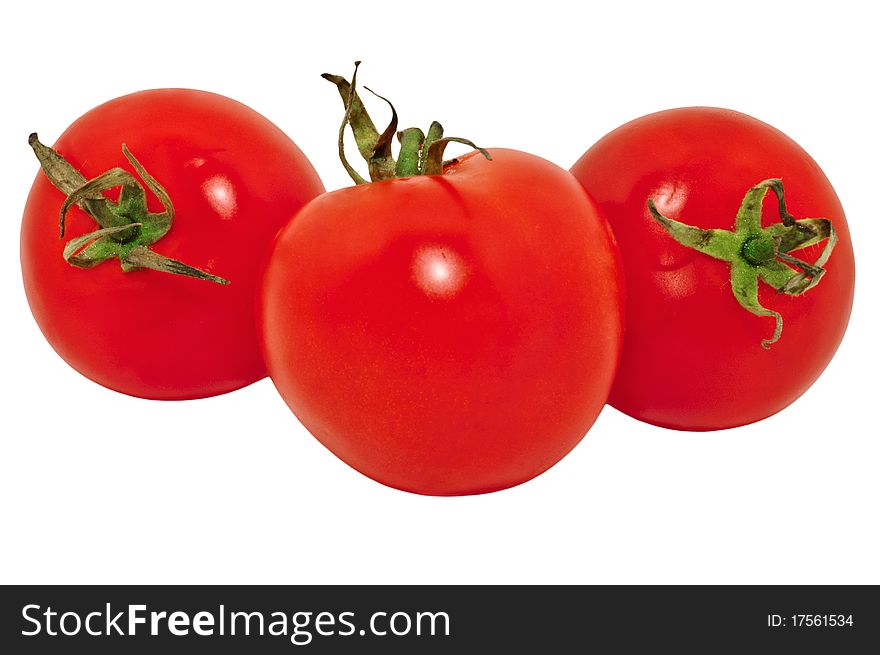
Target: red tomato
[
  {"x": 234, "y": 178},
  {"x": 693, "y": 356},
  {"x": 447, "y": 334}
]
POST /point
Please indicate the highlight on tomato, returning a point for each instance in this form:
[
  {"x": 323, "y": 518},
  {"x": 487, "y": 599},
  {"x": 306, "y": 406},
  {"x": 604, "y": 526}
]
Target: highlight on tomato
[
  {"x": 738, "y": 262},
  {"x": 445, "y": 327},
  {"x": 167, "y": 201}
]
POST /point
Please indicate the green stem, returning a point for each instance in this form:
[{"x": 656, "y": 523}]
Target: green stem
[
  {"x": 365, "y": 132},
  {"x": 756, "y": 252},
  {"x": 346, "y": 120},
  {"x": 433, "y": 164},
  {"x": 419, "y": 154},
  {"x": 411, "y": 141},
  {"x": 382, "y": 164},
  {"x": 127, "y": 228}
]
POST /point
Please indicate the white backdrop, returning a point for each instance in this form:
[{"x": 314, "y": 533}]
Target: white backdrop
[{"x": 101, "y": 488}]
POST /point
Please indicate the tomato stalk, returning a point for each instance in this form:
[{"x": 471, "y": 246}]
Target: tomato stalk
[
  {"x": 420, "y": 153},
  {"x": 755, "y": 252},
  {"x": 127, "y": 228}
]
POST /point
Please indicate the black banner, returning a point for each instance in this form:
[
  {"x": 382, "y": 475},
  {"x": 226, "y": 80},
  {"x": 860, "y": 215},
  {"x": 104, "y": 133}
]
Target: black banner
[{"x": 445, "y": 619}]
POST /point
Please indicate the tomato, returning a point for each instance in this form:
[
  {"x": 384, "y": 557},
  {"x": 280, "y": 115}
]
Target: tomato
[
  {"x": 233, "y": 177},
  {"x": 447, "y": 334},
  {"x": 725, "y": 337},
  {"x": 450, "y": 327}
]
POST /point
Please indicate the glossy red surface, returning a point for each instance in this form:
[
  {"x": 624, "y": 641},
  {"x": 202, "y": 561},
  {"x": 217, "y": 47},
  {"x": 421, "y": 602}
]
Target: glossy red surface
[
  {"x": 234, "y": 179},
  {"x": 692, "y": 357},
  {"x": 450, "y": 334}
]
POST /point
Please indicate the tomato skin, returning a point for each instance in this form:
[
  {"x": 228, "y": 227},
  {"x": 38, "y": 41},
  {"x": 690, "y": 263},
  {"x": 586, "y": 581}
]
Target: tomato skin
[
  {"x": 447, "y": 335},
  {"x": 234, "y": 179},
  {"x": 692, "y": 357}
]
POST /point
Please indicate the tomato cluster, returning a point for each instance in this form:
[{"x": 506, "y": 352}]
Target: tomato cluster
[{"x": 446, "y": 326}]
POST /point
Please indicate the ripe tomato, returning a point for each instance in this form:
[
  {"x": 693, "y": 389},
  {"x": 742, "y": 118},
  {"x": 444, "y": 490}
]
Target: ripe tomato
[
  {"x": 693, "y": 356},
  {"x": 447, "y": 334},
  {"x": 233, "y": 177}
]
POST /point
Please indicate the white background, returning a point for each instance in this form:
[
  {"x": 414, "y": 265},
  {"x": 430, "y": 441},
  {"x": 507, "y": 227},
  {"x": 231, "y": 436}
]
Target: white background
[{"x": 102, "y": 488}]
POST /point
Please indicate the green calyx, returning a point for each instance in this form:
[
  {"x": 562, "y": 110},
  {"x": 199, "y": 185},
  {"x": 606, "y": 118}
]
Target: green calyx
[
  {"x": 127, "y": 228},
  {"x": 755, "y": 252},
  {"x": 420, "y": 153}
]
